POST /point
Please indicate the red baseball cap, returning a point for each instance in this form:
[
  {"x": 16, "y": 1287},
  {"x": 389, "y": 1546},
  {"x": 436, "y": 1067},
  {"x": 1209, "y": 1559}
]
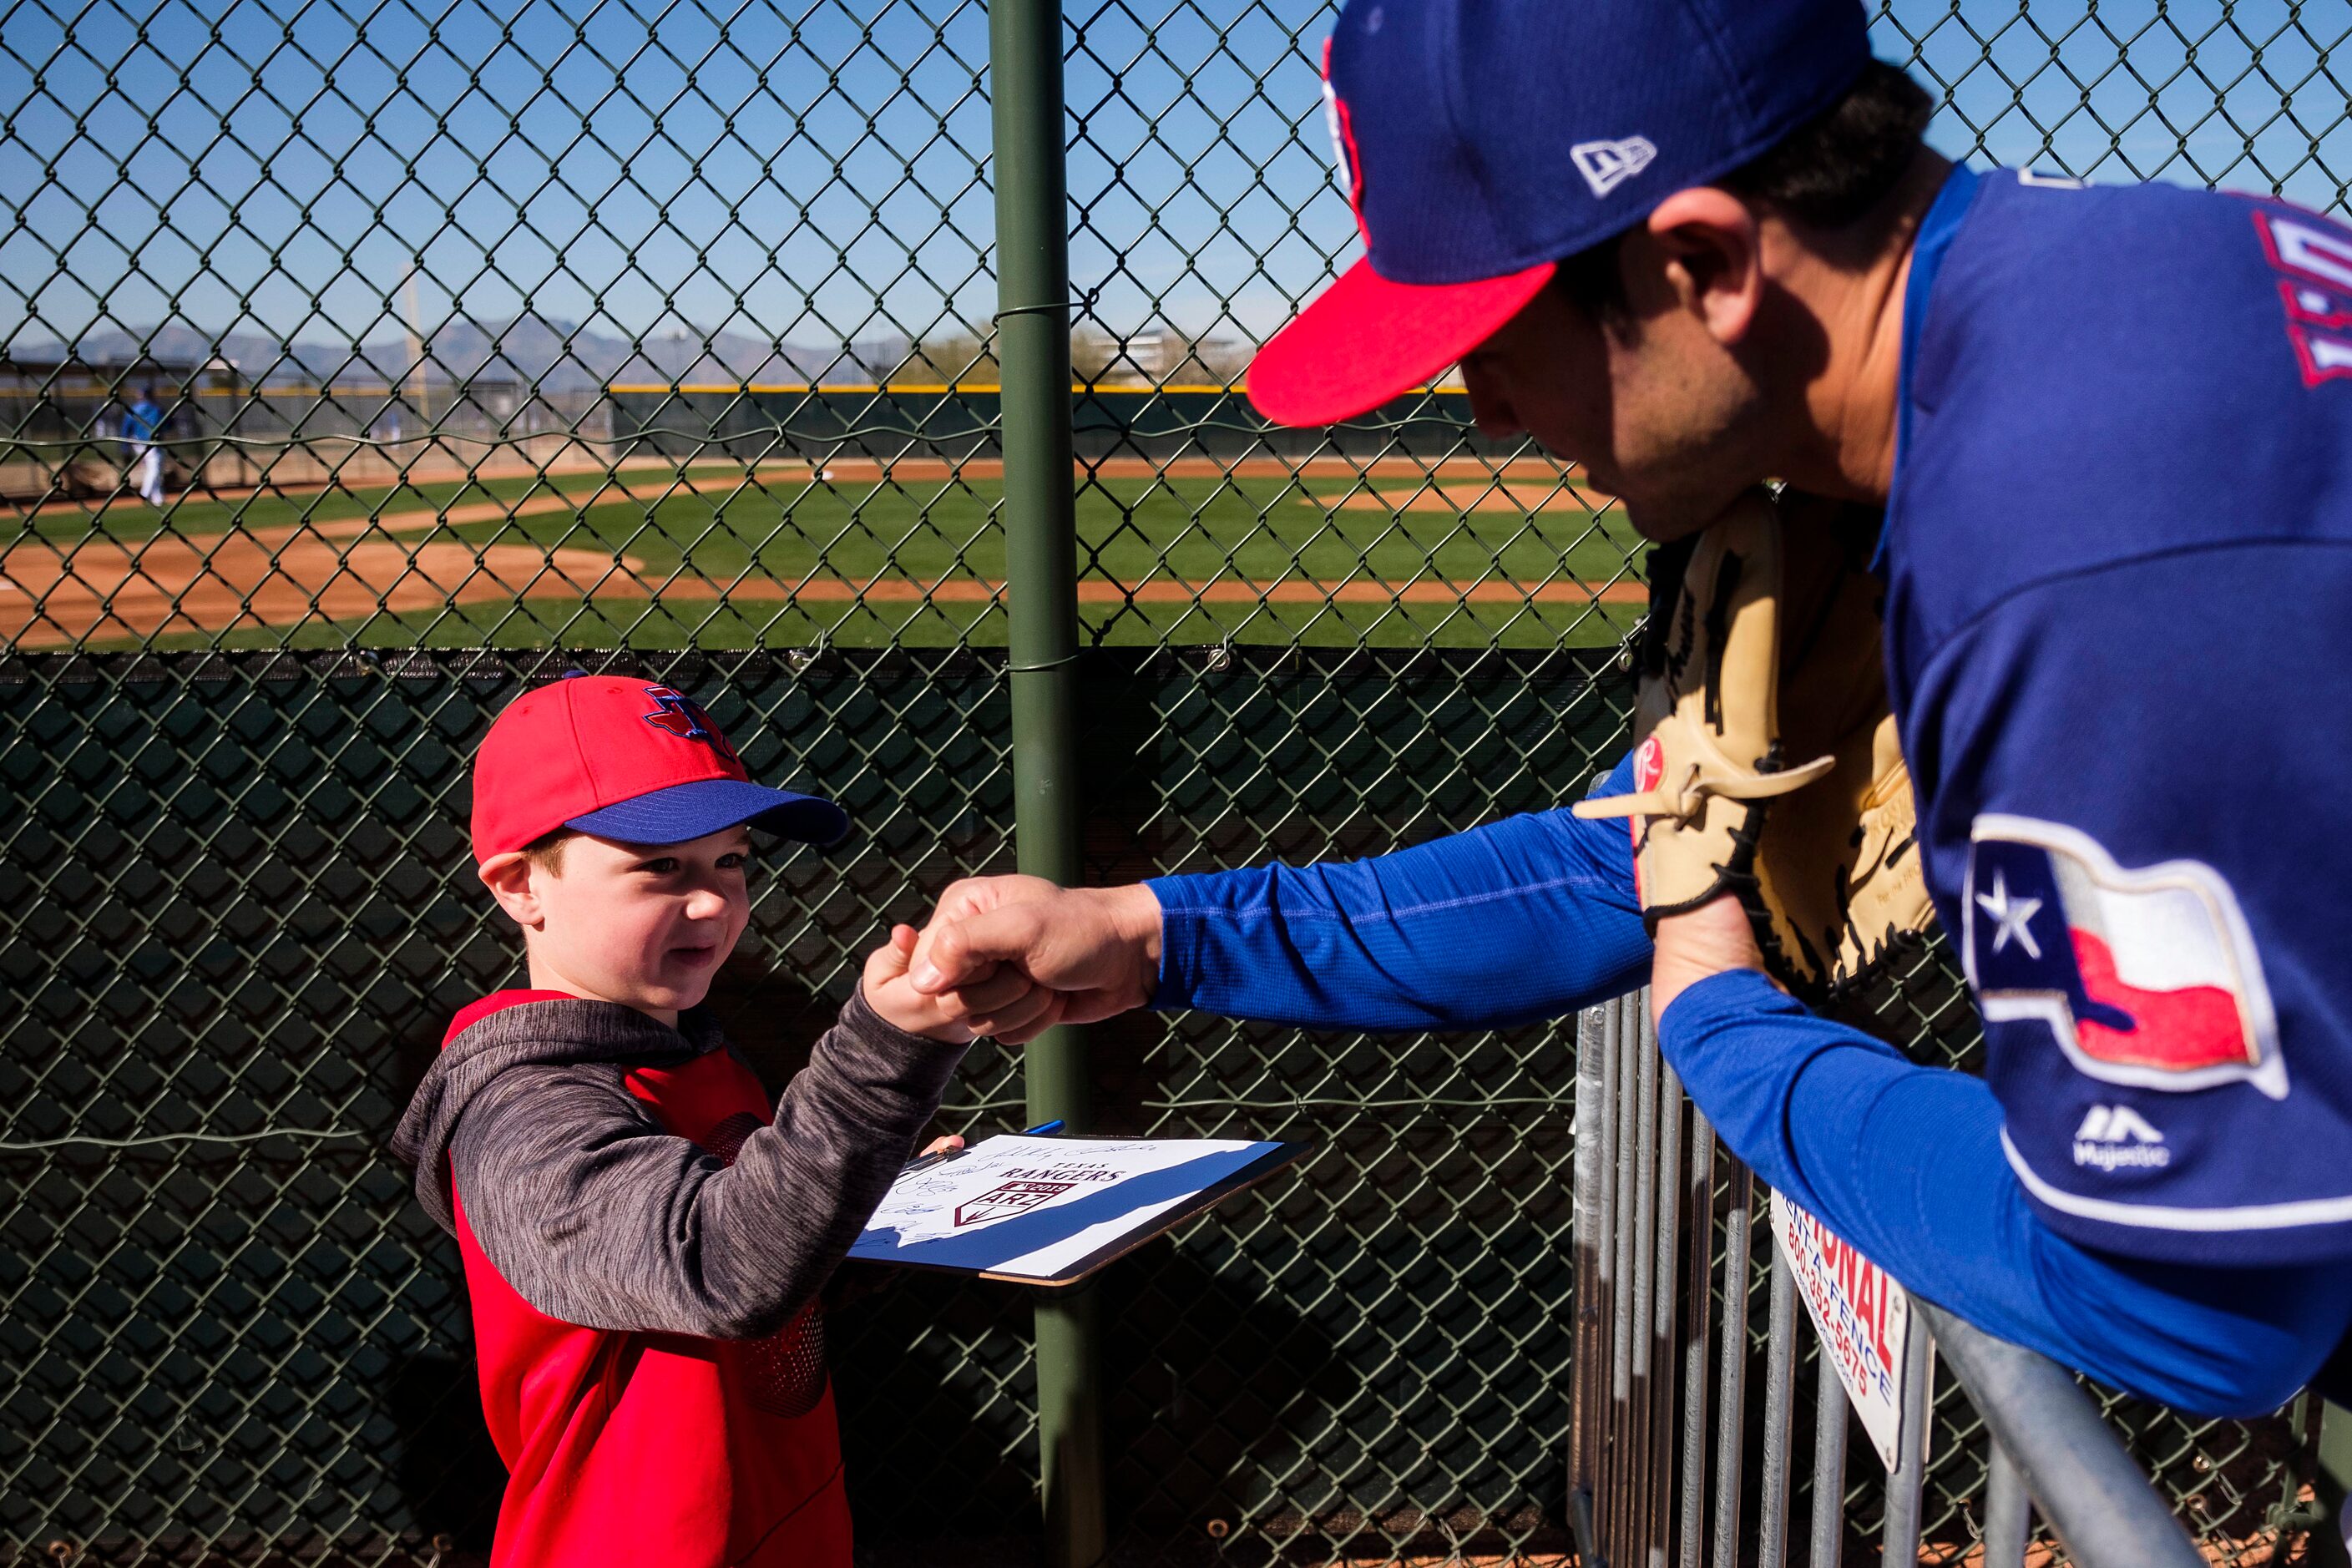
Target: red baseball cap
[
  {"x": 1367, "y": 340},
  {"x": 625, "y": 758}
]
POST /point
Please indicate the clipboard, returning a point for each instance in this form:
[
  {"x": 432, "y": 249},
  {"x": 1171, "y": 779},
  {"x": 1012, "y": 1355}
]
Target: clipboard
[{"x": 1050, "y": 1212}]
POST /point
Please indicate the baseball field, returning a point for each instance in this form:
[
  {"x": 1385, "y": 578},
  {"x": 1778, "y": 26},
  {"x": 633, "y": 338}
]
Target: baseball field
[{"x": 654, "y": 553}]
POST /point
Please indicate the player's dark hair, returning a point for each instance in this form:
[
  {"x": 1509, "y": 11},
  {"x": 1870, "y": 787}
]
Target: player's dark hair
[
  {"x": 1828, "y": 174},
  {"x": 546, "y": 852}
]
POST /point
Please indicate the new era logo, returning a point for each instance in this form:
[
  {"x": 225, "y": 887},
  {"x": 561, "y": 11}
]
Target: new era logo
[
  {"x": 1606, "y": 166},
  {"x": 2117, "y": 1135}
]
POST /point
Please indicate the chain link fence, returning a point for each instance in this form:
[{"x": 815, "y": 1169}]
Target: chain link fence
[{"x": 656, "y": 336}]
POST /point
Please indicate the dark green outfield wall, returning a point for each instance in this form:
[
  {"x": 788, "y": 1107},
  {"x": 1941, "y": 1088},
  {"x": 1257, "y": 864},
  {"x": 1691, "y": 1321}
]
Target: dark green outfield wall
[{"x": 824, "y": 423}]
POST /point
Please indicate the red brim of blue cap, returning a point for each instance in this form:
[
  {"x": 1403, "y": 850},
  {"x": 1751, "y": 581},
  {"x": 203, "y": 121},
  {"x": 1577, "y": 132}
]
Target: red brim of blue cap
[
  {"x": 683, "y": 813},
  {"x": 1365, "y": 340}
]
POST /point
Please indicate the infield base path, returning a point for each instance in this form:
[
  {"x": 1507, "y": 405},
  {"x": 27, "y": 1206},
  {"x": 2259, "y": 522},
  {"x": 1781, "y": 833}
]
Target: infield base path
[{"x": 56, "y": 593}]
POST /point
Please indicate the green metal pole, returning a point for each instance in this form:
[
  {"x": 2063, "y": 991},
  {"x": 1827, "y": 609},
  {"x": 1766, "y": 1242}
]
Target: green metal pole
[{"x": 1032, "y": 347}]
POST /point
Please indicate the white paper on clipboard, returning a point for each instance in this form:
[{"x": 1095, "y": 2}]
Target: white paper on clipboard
[
  {"x": 1863, "y": 1318},
  {"x": 1036, "y": 1207}
]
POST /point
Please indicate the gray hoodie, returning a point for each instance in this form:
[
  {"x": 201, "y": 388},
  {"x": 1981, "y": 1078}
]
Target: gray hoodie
[{"x": 598, "y": 1217}]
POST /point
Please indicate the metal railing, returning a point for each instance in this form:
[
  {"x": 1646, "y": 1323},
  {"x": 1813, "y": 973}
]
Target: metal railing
[
  {"x": 2049, "y": 1446},
  {"x": 1669, "y": 1443}
]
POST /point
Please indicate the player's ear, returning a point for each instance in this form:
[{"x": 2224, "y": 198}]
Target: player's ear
[
  {"x": 512, "y": 879},
  {"x": 1713, "y": 262}
]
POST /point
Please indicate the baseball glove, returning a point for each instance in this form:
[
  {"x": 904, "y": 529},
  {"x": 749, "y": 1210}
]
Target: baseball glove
[{"x": 1761, "y": 685}]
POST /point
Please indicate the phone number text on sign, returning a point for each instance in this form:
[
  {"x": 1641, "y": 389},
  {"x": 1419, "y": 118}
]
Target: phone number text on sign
[{"x": 1864, "y": 1316}]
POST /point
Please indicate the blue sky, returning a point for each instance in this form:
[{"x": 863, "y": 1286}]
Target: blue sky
[{"x": 817, "y": 172}]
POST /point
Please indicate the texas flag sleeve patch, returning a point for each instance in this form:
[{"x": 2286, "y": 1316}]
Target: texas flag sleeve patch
[{"x": 2146, "y": 977}]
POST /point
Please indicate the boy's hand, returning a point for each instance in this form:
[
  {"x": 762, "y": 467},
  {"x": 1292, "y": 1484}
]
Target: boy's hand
[{"x": 1005, "y": 1002}]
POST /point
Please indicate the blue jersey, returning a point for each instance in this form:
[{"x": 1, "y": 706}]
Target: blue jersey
[
  {"x": 142, "y": 421},
  {"x": 2118, "y": 557}
]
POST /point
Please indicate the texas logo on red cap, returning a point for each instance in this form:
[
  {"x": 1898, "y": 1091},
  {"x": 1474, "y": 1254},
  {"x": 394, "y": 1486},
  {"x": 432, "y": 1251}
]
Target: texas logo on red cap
[
  {"x": 624, "y": 758},
  {"x": 683, "y": 716}
]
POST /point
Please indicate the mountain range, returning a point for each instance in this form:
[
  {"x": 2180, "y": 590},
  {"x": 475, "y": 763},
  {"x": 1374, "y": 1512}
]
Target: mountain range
[{"x": 556, "y": 356}]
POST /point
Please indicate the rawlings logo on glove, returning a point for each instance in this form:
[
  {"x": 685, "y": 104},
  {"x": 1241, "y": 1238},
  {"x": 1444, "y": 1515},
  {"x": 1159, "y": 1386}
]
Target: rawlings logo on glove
[{"x": 1750, "y": 621}]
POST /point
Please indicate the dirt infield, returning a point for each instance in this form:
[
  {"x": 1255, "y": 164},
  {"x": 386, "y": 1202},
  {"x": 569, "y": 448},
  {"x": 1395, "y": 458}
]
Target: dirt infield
[
  {"x": 1228, "y": 591},
  {"x": 54, "y": 594},
  {"x": 111, "y": 590},
  {"x": 1540, "y": 480}
]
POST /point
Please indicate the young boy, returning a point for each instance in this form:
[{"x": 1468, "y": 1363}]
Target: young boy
[{"x": 643, "y": 1235}]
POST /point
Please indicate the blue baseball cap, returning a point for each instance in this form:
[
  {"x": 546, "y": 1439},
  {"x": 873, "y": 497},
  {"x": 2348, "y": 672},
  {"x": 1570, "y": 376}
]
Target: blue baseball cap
[{"x": 1483, "y": 141}]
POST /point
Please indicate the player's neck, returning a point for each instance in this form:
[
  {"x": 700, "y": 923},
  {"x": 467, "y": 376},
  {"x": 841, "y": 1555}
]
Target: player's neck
[{"x": 1846, "y": 448}]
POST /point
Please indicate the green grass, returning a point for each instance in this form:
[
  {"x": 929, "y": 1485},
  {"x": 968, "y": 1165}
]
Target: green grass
[{"x": 1129, "y": 530}]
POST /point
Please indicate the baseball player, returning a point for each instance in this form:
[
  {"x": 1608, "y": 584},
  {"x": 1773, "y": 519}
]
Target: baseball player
[
  {"x": 1699, "y": 246},
  {"x": 143, "y": 457}
]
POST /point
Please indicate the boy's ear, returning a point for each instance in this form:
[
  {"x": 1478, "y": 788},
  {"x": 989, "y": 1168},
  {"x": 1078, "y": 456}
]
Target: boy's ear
[{"x": 510, "y": 879}]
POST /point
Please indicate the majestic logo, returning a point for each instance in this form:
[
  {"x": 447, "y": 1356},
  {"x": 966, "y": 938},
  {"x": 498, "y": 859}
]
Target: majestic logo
[
  {"x": 2146, "y": 977},
  {"x": 1005, "y": 1202},
  {"x": 682, "y": 716},
  {"x": 2116, "y": 1137},
  {"x": 1606, "y": 166}
]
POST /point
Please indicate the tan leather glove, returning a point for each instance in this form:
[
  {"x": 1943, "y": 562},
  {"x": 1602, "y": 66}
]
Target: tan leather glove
[{"x": 1762, "y": 684}]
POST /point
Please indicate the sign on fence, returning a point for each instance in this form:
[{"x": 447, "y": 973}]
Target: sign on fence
[{"x": 1863, "y": 1316}]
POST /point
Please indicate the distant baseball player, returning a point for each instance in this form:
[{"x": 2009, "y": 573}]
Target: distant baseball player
[
  {"x": 142, "y": 454},
  {"x": 1701, "y": 245},
  {"x": 644, "y": 1231}
]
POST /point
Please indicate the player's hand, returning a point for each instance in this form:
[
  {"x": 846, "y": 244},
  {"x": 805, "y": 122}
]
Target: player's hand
[
  {"x": 1097, "y": 948},
  {"x": 1000, "y": 1001},
  {"x": 1704, "y": 941},
  {"x": 946, "y": 1144}
]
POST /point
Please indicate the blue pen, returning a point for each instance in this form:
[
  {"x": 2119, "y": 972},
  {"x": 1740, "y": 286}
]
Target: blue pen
[{"x": 1042, "y": 1129}]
